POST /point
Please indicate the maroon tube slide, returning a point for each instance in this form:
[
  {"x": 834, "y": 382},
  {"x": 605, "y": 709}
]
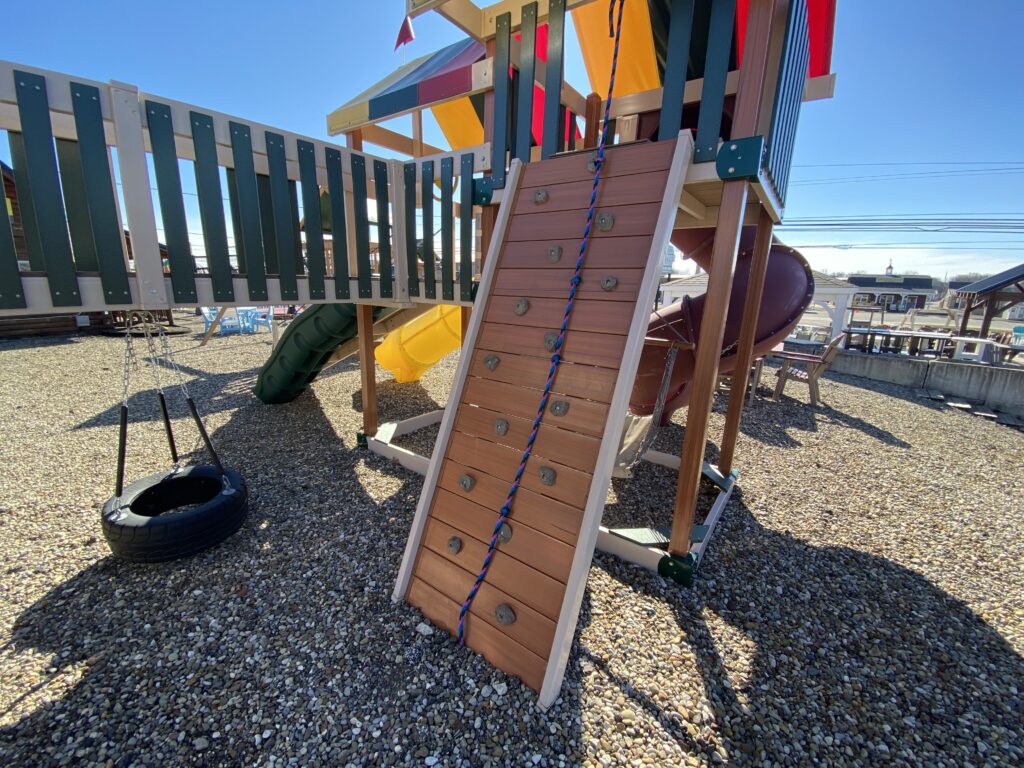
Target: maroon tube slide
[{"x": 788, "y": 289}]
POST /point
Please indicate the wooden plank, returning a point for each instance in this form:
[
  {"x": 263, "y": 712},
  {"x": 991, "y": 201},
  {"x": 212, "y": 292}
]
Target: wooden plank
[
  {"x": 315, "y": 259},
  {"x": 567, "y": 447},
  {"x": 12, "y": 293},
  {"x": 76, "y": 204},
  {"x": 447, "y": 231},
  {"x": 104, "y": 221},
  {"x": 249, "y": 239},
  {"x": 554, "y": 115},
  {"x": 578, "y": 347},
  {"x": 362, "y": 222},
  {"x": 621, "y": 160},
  {"x": 270, "y": 255},
  {"x": 531, "y": 629},
  {"x": 172, "y": 201},
  {"x": 716, "y": 67},
  {"x": 427, "y": 201},
  {"x": 411, "y": 241},
  {"x": 628, "y": 189},
  {"x": 497, "y": 648},
  {"x": 586, "y": 381},
  {"x": 502, "y": 100},
  {"x": 211, "y": 207},
  {"x": 555, "y": 283},
  {"x": 680, "y": 26},
  {"x": 592, "y": 316},
  {"x": 527, "y": 545},
  {"x": 44, "y": 189},
  {"x": 466, "y": 228},
  {"x": 604, "y": 253},
  {"x": 527, "y": 75},
  {"x": 502, "y": 461},
  {"x": 339, "y": 226},
  {"x": 583, "y": 416},
  {"x": 280, "y": 200},
  {"x": 385, "y": 268},
  {"x": 526, "y": 584},
  {"x": 367, "y": 367},
  {"x": 628, "y": 220},
  {"x": 29, "y": 224}
]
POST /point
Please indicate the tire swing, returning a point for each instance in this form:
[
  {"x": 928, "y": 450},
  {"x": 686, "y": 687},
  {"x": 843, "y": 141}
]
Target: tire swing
[{"x": 177, "y": 512}]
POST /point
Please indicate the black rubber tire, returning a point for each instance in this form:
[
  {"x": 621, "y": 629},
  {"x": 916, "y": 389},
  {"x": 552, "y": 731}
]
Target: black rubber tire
[{"x": 146, "y": 525}]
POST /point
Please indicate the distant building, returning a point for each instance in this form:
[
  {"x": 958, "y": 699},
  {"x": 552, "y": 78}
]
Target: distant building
[{"x": 892, "y": 292}]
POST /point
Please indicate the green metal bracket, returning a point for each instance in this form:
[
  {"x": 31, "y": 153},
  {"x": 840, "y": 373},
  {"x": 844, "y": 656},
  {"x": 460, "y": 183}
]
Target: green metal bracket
[
  {"x": 680, "y": 569},
  {"x": 483, "y": 190},
  {"x": 723, "y": 482},
  {"x": 741, "y": 159},
  {"x": 361, "y": 440}
]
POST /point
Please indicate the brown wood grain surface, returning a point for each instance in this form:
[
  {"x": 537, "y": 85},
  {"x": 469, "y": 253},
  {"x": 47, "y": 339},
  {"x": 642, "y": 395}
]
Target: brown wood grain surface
[
  {"x": 629, "y": 220},
  {"x": 555, "y": 283},
  {"x": 584, "y": 416},
  {"x": 653, "y": 158},
  {"x": 604, "y": 253},
  {"x": 575, "y": 195},
  {"x": 587, "y": 314},
  {"x": 583, "y": 347},
  {"x": 587, "y": 381}
]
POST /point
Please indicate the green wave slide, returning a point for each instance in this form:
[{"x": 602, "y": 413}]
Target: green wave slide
[{"x": 304, "y": 349}]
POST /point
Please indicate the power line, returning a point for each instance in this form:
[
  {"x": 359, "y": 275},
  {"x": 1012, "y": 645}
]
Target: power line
[
  {"x": 916, "y": 175},
  {"x": 894, "y": 165}
]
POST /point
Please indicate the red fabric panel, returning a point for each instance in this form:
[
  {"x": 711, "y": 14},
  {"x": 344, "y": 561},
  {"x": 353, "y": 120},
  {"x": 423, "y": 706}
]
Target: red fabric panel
[{"x": 821, "y": 21}]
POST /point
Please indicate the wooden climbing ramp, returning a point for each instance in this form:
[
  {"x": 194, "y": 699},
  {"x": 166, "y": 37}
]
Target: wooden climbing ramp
[{"x": 524, "y": 616}]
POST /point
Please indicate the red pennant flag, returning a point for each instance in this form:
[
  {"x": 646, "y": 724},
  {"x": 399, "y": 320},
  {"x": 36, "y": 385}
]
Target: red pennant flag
[{"x": 405, "y": 34}]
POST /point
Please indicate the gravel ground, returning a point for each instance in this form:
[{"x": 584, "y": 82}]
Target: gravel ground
[{"x": 862, "y": 603}]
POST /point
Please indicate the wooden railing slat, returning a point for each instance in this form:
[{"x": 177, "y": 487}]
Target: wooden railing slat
[
  {"x": 427, "y": 199},
  {"x": 680, "y": 29},
  {"x": 466, "y": 228},
  {"x": 76, "y": 205},
  {"x": 249, "y": 236},
  {"x": 527, "y": 75},
  {"x": 447, "y": 231},
  {"x": 716, "y": 68},
  {"x": 339, "y": 227},
  {"x": 280, "y": 201},
  {"x": 311, "y": 216},
  {"x": 411, "y": 257},
  {"x": 362, "y": 222},
  {"x": 29, "y": 225},
  {"x": 380, "y": 183},
  {"x": 12, "y": 292},
  {"x": 502, "y": 103},
  {"x": 211, "y": 207},
  {"x": 554, "y": 115}
]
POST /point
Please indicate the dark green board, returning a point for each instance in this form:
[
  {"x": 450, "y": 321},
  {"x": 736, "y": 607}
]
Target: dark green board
[
  {"x": 676, "y": 65},
  {"x": 12, "y": 293},
  {"x": 211, "y": 207},
  {"x": 280, "y": 199},
  {"x": 236, "y": 222},
  {"x": 339, "y": 227},
  {"x": 447, "y": 230},
  {"x": 412, "y": 259},
  {"x": 72, "y": 184},
  {"x": 313, "y": 224},
  {"x": 527, "y": 71},
  {"x": 427, "y": 201},
  {"x": 362, "y": 224},
  {"x": 716, "y": 67},
  {"x": 502, "y": 99},
  {"x": 554, "y": 116},
  {"x": 466, "y": 227},
  {"x": 380, "y": 184},
  {"x": 28, "y": 213},
  {"x": 249, "y": 238}
]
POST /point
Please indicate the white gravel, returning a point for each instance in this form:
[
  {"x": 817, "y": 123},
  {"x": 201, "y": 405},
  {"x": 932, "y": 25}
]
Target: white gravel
[{"x": 862, "y": 602}]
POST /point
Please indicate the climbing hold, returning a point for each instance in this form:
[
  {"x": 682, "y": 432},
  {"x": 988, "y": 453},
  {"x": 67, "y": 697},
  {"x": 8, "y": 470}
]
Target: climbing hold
[
  {"x": 504, "y": 614},
  {"x": 466, "y": 482},
  {"x": 550, "y": 339},
  {"x": 500, "y": 427},
  {"x": 560, "y": 407},
  {"x": 605, "y": 221},
  {"x": 455, "y": 545},
  {"x": 592, "y": 163},
  {"x": 522, "y": 305},
  {"x": 547, "y": 475},
  {"x": 491, "y": 362},
  {"x": 555, "y": 254},
  {"x": 505, "y": 533},
  {"x": 608, "y": 282},
  {"x": 540, "y": 196}
]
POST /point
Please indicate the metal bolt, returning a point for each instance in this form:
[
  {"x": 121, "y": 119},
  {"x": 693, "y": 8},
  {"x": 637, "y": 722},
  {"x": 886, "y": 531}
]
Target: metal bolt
[
  {"x": 540, "y": 196},
  {"x": 491, "y": 362},
  {"x": 504, "y": 614},
  {"x": 554, "y": 254},
  {"x": 521, "y": 307},
  {"x": 500, "y": 427},
  {"x": 560, "y": 407},
  {"x": 466, "y": 482},
  {"x": 550, "y": 339},
  {"x": 455, "y": 545},
  {"x": 547, "y": 475},
  {"x": 608, "y": 282},
  {"x": 504, "y": 533},
  {"x": 605, "y": 221}
]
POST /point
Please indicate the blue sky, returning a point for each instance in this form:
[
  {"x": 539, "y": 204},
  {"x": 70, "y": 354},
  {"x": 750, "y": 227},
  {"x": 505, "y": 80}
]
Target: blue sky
[{"x": 923, "y": 82}]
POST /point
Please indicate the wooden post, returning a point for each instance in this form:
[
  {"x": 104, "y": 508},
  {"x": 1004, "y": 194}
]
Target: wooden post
[
  {"x": 367, "y": 368},
  {"x": 990, "y": 312},
  {"x": 745, "y": 351},
  {"x": 966, "y": 319},
  {"x": 592, "y": 118},
  {"x": 761, "y": 18}
]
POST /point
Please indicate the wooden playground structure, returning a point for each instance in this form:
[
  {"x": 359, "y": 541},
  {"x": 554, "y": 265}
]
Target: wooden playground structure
[{"x": 708, "y": 146}]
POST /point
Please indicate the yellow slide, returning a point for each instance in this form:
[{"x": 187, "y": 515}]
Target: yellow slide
[{"x": 409, "y": 351}]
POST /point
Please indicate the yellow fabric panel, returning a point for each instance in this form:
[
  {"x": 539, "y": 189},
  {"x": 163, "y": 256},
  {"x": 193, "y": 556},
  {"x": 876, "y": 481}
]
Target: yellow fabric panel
[
  {"x": 637, "y": 69},
  {"x": 459, "y": 123}
]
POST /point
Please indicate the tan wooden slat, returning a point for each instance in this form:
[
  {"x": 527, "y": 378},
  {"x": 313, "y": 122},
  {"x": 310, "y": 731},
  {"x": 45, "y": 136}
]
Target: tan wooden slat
[
  {"x": 586, "y": 381},
  {"x": 586, "y": 416},
  {"x": 579, "y": 347},
  {"x": 604, "y": 253},
  {"x": 499, "y": 649},
  {"x": 501, "y": 461},
  {"x": 531, "y": 629},
  {"x": 587, "y": 315},
  {"x": 569, "y": 448},
  {"x": 555, "y": 283},
  {"x": 619, "y": 161},
  {"x": 540, "y": 592},
  {"x": 575, "y": 195},
  {"x": 537, "y": 550},
  {"x": 541, "y": 513},
  {"x": 629, "y": 220}
]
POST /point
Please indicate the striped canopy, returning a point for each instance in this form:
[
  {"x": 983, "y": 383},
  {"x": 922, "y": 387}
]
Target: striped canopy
[{"x": 439, "y": 79}]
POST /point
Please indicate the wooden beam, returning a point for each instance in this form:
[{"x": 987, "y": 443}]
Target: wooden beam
[
  {"x": 986, "y": 319},
  {"x": 213, "y": 327},
  {"x": 383, "y": 137},
  {"x": 592, "y": 118},
  {"x": 745, "y": 351},
  {"x": 966, "y": 319},
  {"x": 367, "y": 368}
]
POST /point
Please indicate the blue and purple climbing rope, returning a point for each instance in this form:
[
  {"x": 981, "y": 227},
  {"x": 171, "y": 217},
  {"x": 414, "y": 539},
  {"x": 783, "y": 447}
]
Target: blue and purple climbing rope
[{"x": 614, "y": 30}]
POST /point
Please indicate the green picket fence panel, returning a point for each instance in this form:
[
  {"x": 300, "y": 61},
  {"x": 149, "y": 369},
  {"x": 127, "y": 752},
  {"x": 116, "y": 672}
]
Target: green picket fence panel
[
  {"x": 12, "y": 292},
  {"x": 172, "y": 202},
  {"x": 447, "y": 230},
  {"x": 311, "y": 215},
  {"x": 44, "y": 189},
  {"x": 427, "y": 202},
  {"x": 211, "y": 207},
  {"x": 362, "y": 222},
  {"x": 76, "y": 205},
  {"x": 527, "y": 72},
  {"x": 280, "y": 199},
  {"x": 411, "y": 256},
  {"x": 466, "y": 227},
  {"x": 245, "y": 199},
  {"x": 339, "y": 227},
  {"x": 716, "y": 68}
]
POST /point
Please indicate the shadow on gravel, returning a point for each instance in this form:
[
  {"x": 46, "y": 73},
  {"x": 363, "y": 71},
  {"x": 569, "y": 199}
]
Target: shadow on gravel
[
  {"x": 399, "y": 401},
  {"x": 282, "y": 641},
  {"x": 850, "y": 651}
]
